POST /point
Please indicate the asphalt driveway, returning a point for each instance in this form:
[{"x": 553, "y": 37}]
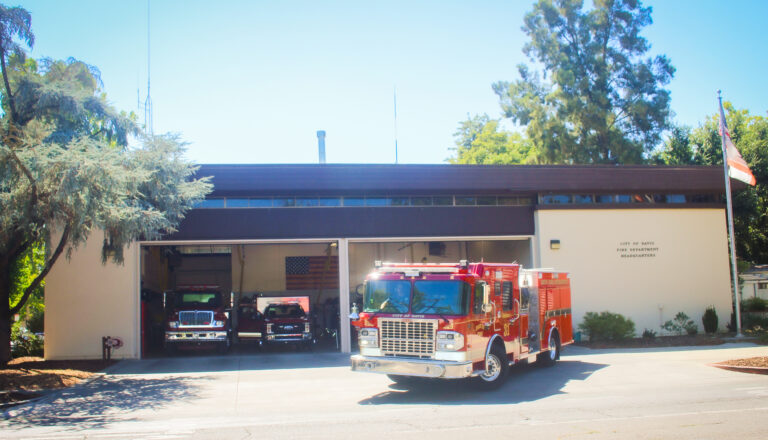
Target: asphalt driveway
[{"x": 633, "y": 393}]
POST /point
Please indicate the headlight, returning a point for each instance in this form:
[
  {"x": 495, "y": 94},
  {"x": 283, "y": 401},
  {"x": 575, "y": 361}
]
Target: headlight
[
  {"x": 173, "y": 324},
  {"x": 218, "y": 323},
  {"x": 269, "y": 328},
  {"x": 368, "y": 337},
  {"x": 449, "y": 341},
  {"x": 306, "y": 327}
]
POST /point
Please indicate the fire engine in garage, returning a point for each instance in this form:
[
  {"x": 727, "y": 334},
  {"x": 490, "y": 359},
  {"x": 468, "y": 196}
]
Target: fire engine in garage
[
  {"x": 462, "y": 320},
  {"x": 197, "y": 317}
]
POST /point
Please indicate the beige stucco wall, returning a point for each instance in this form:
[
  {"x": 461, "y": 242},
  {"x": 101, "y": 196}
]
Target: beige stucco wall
[
  {"x": 85, "y": 300},
  {"x": 685, "y": 267}
]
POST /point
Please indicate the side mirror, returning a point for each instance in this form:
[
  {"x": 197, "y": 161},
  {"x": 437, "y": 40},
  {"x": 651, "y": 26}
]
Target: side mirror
[
  {"x": 360, "y": 289},
  {"x": 487, "y": 307}
]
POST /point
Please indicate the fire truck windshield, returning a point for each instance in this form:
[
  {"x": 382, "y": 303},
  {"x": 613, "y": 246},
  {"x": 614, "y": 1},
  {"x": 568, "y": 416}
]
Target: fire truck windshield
[
  {"x": 387, "y": 296},
  {"x": 441, "y": 297},
  {"x": 197, "y": 299},
  {"x": 422, "y": 297}
]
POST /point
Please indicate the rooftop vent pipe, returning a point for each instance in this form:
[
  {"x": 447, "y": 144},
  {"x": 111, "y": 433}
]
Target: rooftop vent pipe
[{"x": 321, "y": 144}]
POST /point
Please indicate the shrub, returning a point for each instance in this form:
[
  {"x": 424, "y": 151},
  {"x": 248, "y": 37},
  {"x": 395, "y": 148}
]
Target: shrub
[
  {"x": 751, "y": 322},
  {"x": 35, "y": 321},
  {"x": 709, "y": 319},
  {"x": 681, "y": 324},
  {"x": 649, "y": 334},
  {"x": 24, "y": 343},
  {"x": 754, "y": 304},
  {"x": 607, "y": 326}
]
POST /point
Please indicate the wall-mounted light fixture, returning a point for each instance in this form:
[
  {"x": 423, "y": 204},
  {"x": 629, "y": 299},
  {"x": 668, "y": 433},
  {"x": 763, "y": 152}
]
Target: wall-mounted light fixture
[{"x": 554, "y": 244}]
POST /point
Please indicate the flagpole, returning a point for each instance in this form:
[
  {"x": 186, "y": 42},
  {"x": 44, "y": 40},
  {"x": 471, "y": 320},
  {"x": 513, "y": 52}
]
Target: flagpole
[{"x": 732, "y": 237}]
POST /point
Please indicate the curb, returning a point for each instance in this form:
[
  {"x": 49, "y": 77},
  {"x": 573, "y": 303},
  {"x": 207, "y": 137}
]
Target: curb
[{"x": 751, "y": 370}]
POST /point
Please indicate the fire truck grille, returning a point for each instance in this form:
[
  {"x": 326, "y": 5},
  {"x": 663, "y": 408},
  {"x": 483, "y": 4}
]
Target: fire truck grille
[
  {"x": 408, "y": 337},
  {"x": 195, "y": 318}
]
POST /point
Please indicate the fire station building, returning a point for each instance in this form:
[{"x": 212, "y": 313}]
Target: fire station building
[{"x": 647, "y": 242}]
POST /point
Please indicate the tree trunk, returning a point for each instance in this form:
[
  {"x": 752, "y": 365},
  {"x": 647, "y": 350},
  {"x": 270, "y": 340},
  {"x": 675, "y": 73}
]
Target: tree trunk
[
  {"x": 9, "y": 95},
  {"x": 5, "y": 314}
]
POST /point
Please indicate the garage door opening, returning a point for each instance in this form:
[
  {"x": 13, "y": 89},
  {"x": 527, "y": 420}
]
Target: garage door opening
[{"x": 281, "y": 296}]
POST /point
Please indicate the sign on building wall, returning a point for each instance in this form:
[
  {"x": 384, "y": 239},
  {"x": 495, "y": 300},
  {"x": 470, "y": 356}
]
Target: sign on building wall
[{"x": 637, "y": 249}]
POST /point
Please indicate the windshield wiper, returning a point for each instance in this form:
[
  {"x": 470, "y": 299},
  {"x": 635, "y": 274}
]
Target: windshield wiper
[{"x": 432, "y": 306}]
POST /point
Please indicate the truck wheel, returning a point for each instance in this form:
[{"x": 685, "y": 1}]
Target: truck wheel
[
  {"x": 549, "y": 357},
  {"x": 496, "y": 370}
]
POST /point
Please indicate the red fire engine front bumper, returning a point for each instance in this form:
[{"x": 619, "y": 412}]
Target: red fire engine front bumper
[{"x": 412, "y": 367}]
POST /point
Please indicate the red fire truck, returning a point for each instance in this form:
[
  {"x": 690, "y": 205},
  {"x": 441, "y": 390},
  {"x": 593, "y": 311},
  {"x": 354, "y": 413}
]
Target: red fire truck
[
  {"x": 197, "y": 317},
  {"x": 460, "y": 320}
]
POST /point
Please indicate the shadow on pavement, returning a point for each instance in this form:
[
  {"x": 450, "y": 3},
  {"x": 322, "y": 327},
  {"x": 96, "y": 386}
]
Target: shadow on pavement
[
  {"x": 525, "y": 383},
  {"x": 99, "y": 403},
  {"x": 194, "y": 363}
]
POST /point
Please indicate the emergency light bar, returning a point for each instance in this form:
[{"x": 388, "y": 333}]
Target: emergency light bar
[{"x": 413, "y": 269}]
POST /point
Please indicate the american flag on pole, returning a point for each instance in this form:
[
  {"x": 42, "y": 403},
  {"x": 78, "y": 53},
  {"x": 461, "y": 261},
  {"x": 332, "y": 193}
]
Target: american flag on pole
[
  {"x": 306, "y": 273},
  {"x": 737, "y": 166}
]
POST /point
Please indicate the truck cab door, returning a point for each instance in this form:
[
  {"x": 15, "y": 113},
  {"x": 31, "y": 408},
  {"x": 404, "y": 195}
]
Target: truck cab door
[{"x": 510, "y": 317}]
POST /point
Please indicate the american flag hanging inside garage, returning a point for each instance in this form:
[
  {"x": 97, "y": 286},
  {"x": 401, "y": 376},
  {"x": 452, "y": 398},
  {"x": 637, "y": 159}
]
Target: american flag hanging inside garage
[{"x": 305, "y": 273}]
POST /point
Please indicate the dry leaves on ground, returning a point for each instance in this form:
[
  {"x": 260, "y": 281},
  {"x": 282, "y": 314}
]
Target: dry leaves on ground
[{"x": 33, "y": 373}]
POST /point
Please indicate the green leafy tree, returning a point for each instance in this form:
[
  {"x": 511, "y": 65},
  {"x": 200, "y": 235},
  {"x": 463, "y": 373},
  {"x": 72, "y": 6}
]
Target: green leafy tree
[
  {"x": 677, "y": 148},
  {"x": 66, "y": 169},
  {"x": 704, "y": 147},
  {"x": 599, "y": 99},
  {"x": 23, "y": 271},
  {"x": 480, "y": 140}
]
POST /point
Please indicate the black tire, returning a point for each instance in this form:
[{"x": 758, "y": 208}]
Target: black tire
[
  {"x": 549, "y": 357},
  {"x": 497, "y": 370}
]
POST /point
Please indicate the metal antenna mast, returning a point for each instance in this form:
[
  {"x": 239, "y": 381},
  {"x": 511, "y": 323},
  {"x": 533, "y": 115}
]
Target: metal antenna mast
[
  {"x": 395, "y": 93},
  {"x": 148, "y": 101}
]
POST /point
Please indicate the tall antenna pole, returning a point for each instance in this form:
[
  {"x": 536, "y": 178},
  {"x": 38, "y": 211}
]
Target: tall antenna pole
[
  {"x": 148, "y": 101},
  {"x": 736, "y": 298},
  {"x": 395, "y": 93}
]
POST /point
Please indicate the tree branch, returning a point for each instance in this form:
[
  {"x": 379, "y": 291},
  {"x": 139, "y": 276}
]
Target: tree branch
[{"x": 47, "y": 268}]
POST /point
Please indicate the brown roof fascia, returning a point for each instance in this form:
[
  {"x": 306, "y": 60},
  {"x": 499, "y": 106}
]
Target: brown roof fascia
[{"x": 378, "y": 179}]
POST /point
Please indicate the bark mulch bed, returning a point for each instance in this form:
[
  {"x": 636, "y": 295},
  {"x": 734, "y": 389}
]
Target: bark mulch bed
[
  {"x": 22, "y": 378},
  {"x": 754, "y": 365}
]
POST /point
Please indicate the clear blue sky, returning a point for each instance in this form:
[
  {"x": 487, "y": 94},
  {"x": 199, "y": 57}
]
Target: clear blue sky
[{"x": 252, "y": 81}]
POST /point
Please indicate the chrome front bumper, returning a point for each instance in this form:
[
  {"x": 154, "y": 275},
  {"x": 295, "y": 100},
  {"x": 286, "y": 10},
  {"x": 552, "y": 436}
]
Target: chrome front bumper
[
  {"x": 196, "y": 336},
  {"x": 289, "y": 337},
  {"x": 412, "y": 367}
]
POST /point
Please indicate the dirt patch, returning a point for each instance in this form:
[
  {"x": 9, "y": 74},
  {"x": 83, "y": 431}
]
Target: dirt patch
[
  {"x": 34, "y": 373},
  {"x": 659, "y": 341}
]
